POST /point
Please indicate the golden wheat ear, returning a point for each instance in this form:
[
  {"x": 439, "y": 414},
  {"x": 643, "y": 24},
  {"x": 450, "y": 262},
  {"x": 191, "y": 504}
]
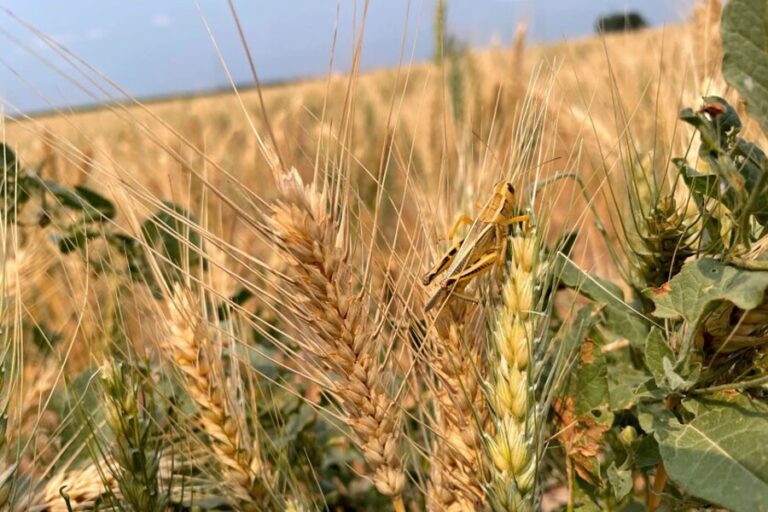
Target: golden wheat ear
[
  {"x": 457, "y": 466},
  {"x": 337, "y": 332},
  {"x": 191, "y": 350}
]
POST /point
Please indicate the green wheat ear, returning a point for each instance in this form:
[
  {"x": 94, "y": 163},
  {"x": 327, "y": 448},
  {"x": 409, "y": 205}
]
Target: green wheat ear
[
  {"x": 666, "y": 241},
  {"x": 138, "y": 442},
  {"x": 512, "y": 447}
]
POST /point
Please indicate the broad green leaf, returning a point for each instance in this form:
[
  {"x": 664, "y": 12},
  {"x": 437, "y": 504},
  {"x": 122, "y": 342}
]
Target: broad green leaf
[
  {"x": 296, "y": 423},
  {"x": 653, "y": 417},
  {"x": 624, "y": 322},
  {"x": 735, "y": 177},
  {"x": 10, "y": 163},
  {"x": 238, "y": 299},
  {"x": 593, "y": 388},
  {"x": 634, "y": 506},
  {"x": 76, "y": 239},
  {"x": 744, "y": 30},
  {"x": 100, "y": 203},
  {"x": 93, "y": 205},
  {"x": 590, "y": 386},
  {"x": 718, "y": 124},
  {"x": 752, "y": 160},
  {"x": 646, "y": 452},
  {"x": 721, "y": 455},
  {"x": 623, "y": 384},
  {"x": 596, "y": 288},
  {"x": 68, "y": 198},
  {"x": 708, "y": 185},
  {"x": 725, "y": 120},
  {"x": 705, "y": 186},
  {"x": 673, "y": 379},
  {"x": 656, "y": 351},
  {"x": 592, "y": 395},
  {"x": 80, "y": 400},
  {"x": 701, "y": 283},
  {"x": 43, "y": 337},
  {"x": 621, "y": 481},
  {"x": 649, "y": 391},
  {"x": 587, "y": 497},
  {"x": 752, "y": 164}
]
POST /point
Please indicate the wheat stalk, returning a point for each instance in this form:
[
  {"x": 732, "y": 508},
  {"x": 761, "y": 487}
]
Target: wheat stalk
[
  {"x": 190, "y": 348},
  {"x": 336, "y": 329}
]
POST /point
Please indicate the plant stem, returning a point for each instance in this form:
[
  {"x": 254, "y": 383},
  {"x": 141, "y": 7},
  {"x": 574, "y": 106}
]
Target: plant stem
[
  {"x": 745, "y": 384},
  {"x": 397, "y": 503},
  {"x": 569, "y": 477},
  {"x": 659, "y": 482}
]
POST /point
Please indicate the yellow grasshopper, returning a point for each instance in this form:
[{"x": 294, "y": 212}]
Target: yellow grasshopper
[{"x": 482, "y": 247}]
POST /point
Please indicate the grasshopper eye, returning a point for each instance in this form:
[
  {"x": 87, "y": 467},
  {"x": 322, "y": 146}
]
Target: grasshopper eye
[{"x": 510, "y": 188}]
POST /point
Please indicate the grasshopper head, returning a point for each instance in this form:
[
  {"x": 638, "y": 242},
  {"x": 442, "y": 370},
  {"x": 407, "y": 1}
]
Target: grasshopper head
[{"x": 506, "y": 192}]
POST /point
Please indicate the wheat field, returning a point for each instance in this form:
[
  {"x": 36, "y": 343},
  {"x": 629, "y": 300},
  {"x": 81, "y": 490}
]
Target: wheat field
[{"x": 237, "y": 321}]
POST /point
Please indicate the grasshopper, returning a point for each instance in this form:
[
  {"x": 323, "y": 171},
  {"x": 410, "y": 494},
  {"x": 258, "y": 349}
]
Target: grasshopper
[{"x": 482, "y": 247}]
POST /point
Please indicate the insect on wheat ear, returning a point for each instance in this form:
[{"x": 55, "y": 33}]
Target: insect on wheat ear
[{"x": 480, "y": 250}]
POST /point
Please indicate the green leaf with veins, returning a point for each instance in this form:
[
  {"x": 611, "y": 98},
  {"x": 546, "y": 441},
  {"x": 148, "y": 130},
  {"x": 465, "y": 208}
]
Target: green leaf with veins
[
  {"x": 722, "y": 454},
  {"x": 701, "y": 284},
  {"x": 623, "y": 383},
  {"x": 656, "y": 351}
]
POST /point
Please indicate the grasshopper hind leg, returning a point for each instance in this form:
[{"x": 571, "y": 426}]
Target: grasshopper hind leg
[
  {"x": 486, "y": 262},
  {"x": 444, "y": 263}
]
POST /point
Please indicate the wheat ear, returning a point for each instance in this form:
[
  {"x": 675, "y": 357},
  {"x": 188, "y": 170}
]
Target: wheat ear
[
  {"x": 81, "y": 489},
  {"x": 335, "y": 327},
  {"x": 456, "y": 461},
  {"x": 137, "y": 443},
  {"x": 512, "y": 448},
  {"x": 189, "y": 346}
]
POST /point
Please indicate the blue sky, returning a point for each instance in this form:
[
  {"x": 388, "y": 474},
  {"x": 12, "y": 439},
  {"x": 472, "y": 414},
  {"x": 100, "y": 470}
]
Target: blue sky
[{"x": 153, "y": 47}]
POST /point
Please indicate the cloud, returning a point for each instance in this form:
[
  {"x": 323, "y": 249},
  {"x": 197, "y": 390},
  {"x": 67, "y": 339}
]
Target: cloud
[
  {"x": 160, "y": 20},
  {"x": 95, "y": 34}
]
